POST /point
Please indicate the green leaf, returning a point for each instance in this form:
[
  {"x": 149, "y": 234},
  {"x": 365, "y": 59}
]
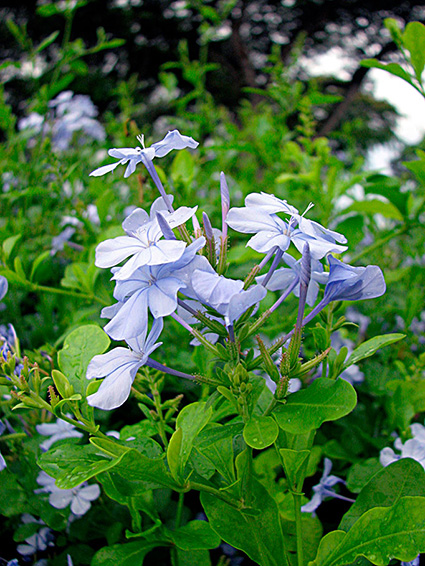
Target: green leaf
[
  {"x": 295, "y": 466},
  {"x": 46, "y": 42},
  {"x": 375, "y": 206},
  {"x": 38, "y": 262},
  {"x": 260, "y": 432},
  {"x": 216, "y": 444},
  {"x": 135, "y": 473},
  {"x": 259, "y": 536},
  {"x": 324, "y": 400},
  {"x": 413, "y": 39},
  {"x": 80, "y": 346},
  {"x": 369, "y": 347},
  {"x": 9, "y": 245},
  {"x": 361, "y": 472},
  {"x": 392, "y": 68},
  {"x": 399, "y": 479},
  {"x": 380, "y": 534},
  {"x": 73, "y": 464},
  {"x": 191, "y": 420},
  {"x": 191, "y": 558},
  {"x": 130, "y": 554},
  {"x": 196, "y": 535},
  {"x": 183, "y": 168}
]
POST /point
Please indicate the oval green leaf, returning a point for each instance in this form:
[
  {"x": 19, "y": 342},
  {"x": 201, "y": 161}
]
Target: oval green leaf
[{"x": 260, "y": 432}]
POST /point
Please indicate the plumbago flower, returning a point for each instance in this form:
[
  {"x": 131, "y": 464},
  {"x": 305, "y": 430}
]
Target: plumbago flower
[
  {"x": 119, "y": 367},
  {"x": 39, "y": 541},
  {"x": 151, "y": 288},
  {"x": 324, "y": 489},
  {"x": 143, "y": 241},
  {"x": 79, "y": 497},
  {"x": 348, "y": 283},
  {"x": 272, "y": 233},
  {"x": 287, "y": 278},
  {"x": 57, "y": 431},
  {"x": 2, "y": 460},
  {"x": 133, "y": 156},
  {"x": 412, "y": 448},
  {"x": 226, "y": 296}
]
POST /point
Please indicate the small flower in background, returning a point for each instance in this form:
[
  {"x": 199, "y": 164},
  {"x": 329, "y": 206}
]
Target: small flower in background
[
  {"x": 37, "y": 542},
  {"x": 59, "y": 241},
  {"x": 119, "y": 367},
  {"x": 57, "y": 431},
  {"x": 133, "y": 156},
  {"x": 71, "y": 113},
  {"x": 324, "y": 489},
  {"x": 412, "y": 448},
  {"x": 3, "y": 286},
  {"x": 415, "y": 562},
  {"x": 79, "y": 497},
  {"x": 2, "y": 460}
]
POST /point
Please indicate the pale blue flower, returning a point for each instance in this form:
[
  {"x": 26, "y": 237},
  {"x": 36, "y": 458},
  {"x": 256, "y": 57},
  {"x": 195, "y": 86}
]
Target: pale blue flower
[
  {"x": 57, "y": 431},
  {"x": 79, "y": 497},
  {"x": 119, "y": 367},
  {"x": 143, "y": 241},
  {"x": 413, "y": 448},
  {"x": 324, "y": 489},
  {"x": 133, "y": 156},
  {"x": 348, "y": 283},
  {"x": 3, "y": 286},
  {"x": 285, "y": 277},
  {"x": 226, "y": 296},
  {"x": 2, "y": 460},
  {"x": 258, "y": 217},
  {"x": 415, "y": 562},
  {"x": 37, "y": 542},
  {"x": 151, "y": 288}
]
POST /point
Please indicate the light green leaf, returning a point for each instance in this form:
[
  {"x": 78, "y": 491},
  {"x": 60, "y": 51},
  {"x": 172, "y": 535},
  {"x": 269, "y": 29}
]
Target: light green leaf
[
  {"x": 399, "y": 479},
  {"x": 392, "y": 68},
  {"x": 375, "y": 206},
  {"x": 324, "y": 400},
  {"x": 380, "y": 534},
  {"x": 9, "y": 245},
  {"x": 260, "y": 432},
  {"x": 80, "y": 346},
  {"x": 196, "y": 535},
  {"x": 191, "y": 420},
  {"x": 259, "y": 535},
  {"x": 413, "y": 39},
  {"x": 369, "y": 347}
]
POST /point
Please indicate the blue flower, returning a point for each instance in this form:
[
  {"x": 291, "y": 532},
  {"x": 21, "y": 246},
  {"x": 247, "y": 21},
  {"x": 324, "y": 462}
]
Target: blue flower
[
  {"x": 39, "y": 541},
  {"x": 226, "y": 296},
  {"x": 57, "y": 431},
  {"x": 258, "y": 217},
  {"x": 79, "y": 497},
  {"x": 119, "y": 367},
  {"x": 285, "y": 277},
  {"x": 3, "y": 286},
  {"x": 151, "y": 288},
  {"x": 324, "y": 489},
  {"x": 348, "y": 283},
  {"x": 2, "y": 460},
  {"x": 143, "y": 241},
  {"x": 133, "y": 156}
]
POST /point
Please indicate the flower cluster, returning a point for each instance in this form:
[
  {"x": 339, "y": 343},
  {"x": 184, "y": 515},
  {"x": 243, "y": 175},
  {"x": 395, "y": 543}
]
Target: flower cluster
[
  {"x": 70, "y": 113},
  {"x": 163, "y": 272}
]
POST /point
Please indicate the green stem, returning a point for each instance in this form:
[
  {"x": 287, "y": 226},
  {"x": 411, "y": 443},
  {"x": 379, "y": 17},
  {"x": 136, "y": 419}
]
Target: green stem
[
  {"x": 43, "y": 289},
  {"x": 14, "y": 436},
  {"x": 179, "y": 510},
  {"x": 220, "y": 494},
  {"x": 157, "y": 401},
  {"x": 299, "y": 529},
  {"x": 270, "y": 408}
]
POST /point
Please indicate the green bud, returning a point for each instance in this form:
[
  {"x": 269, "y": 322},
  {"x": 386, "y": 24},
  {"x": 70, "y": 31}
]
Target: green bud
[
  {"x": 271, "y": 369},
  {"x": 64, "y": 388}
]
